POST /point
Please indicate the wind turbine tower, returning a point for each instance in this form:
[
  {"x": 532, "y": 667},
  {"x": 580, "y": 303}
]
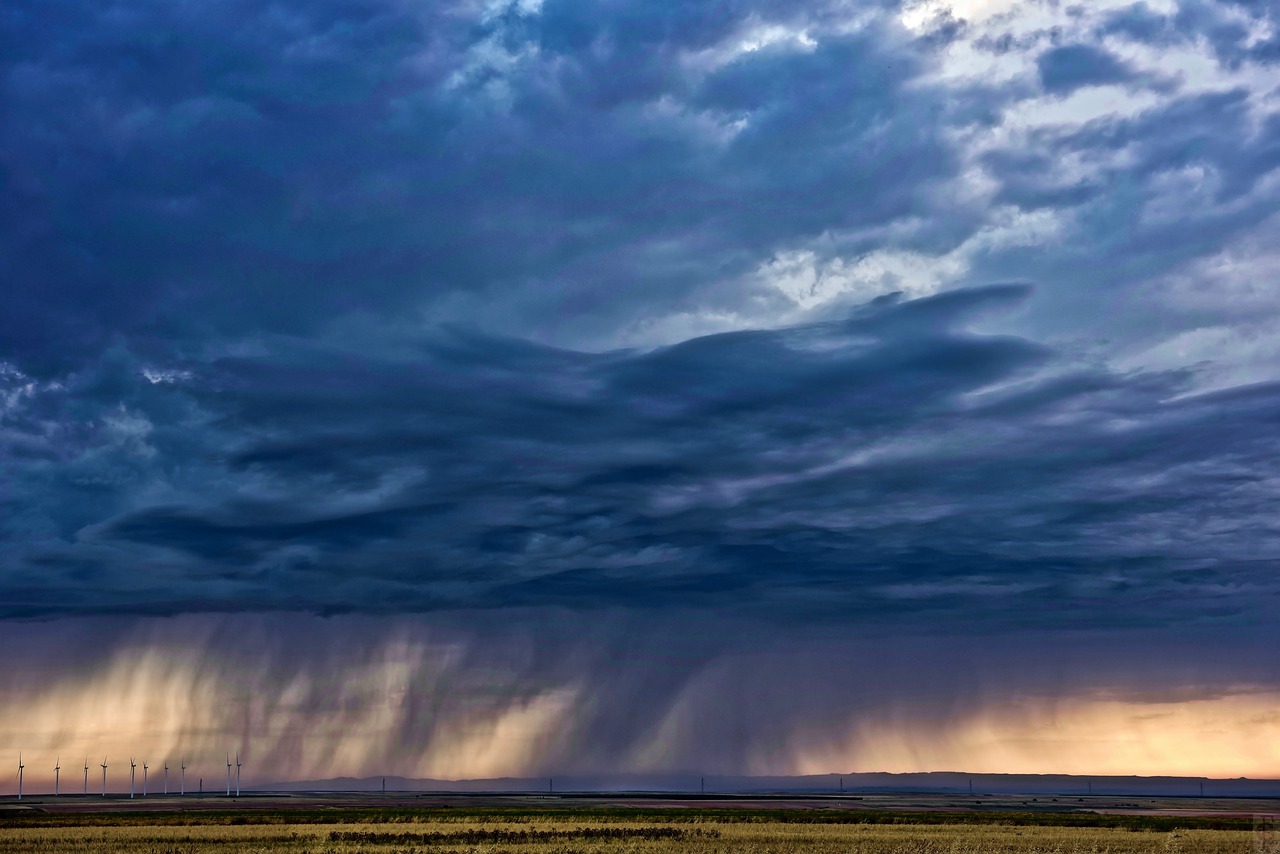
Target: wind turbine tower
[
  {"x": 228, "y": 775},
  {"x": 237, "y": 775},
  {"x": 104, "y": 776},
  {"x": 86, "y": 776},
  {"x": 166, "y": 776},
  {"x": 133, "y": 770},
  {"x": 57, "y": 772},
  {"x": 145, "y": 766},
  {"x": 183, "y": 790},
  {"x": 20, "y": 767}
]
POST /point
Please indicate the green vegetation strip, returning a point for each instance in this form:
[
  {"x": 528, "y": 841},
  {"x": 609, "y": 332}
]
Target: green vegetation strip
[
  {"x": 521, "y": 837},
  {"x": 693, "y": 815}
]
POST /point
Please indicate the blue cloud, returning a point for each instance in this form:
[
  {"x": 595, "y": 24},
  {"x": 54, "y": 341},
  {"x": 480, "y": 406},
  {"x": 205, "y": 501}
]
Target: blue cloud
[
  {"x": 317, "y": 307},
  {"x": 1070, "y": 67},
  {"x": 889, "y": 467}
]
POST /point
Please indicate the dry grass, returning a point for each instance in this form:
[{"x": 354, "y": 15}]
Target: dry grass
[{"x": 585, "y": 837}]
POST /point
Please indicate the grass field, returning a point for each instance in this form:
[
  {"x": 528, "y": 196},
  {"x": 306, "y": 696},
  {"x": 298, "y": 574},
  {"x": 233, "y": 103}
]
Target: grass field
[{"x": 594, "y": 833}]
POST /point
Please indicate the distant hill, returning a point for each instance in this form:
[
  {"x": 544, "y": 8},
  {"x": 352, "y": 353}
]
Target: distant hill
[{"x": 937, "y": 781}]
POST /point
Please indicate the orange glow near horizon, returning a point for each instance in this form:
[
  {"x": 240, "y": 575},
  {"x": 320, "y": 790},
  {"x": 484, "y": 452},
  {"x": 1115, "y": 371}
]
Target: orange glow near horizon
[{"x": 1235, "y": 735}]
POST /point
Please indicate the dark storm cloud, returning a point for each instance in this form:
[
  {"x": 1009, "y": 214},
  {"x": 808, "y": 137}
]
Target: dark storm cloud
[
  {"x": 1141, "y": 194},
  {"x": 196, "y": 171},
  {"x": 1065, "y": 69},
  {"x": 1230, "y": 28},
  {"x": 184, "y": 177},
  {"x": 1212, "y": 131},
  {"x": 1182, "y": 181},
  {"x": 890, "y": 466},
  {"x": 228, "y": 226}
]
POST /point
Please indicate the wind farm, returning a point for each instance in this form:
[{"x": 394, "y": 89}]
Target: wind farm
[
  {"x": 708, "y": 815},
  {"x": 878, "y": 812},
  {"x": 23, "y": 793},
  {"x": 931, "y": 789}
]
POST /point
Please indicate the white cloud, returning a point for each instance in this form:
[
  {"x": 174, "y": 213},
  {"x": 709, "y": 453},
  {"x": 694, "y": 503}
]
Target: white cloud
[
  {"x": 165, "y": 376},
  {"x": 809, "y": 281}
]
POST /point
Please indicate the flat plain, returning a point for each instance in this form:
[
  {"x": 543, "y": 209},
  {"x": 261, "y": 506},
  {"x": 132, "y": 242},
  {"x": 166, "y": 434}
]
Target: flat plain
[
  {"x": 323, "y": 824},
  {"x": 556, "y": 837}
]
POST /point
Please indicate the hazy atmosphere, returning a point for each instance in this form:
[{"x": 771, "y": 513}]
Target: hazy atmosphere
[{"x": 467, "y": 389}]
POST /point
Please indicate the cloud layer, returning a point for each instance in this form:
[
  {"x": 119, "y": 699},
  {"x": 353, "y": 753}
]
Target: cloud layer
[
  {"x": 812, "y": 321},
  {"x": 890, "y": 466},
  {"x": 629, "y": 174}
]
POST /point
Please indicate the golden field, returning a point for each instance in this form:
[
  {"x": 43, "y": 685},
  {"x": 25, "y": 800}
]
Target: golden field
[{"x": 584, "y": 836}]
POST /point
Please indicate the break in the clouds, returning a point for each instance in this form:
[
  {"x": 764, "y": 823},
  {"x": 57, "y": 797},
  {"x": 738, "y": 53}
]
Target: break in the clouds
[{"x": 825, "y": 322}]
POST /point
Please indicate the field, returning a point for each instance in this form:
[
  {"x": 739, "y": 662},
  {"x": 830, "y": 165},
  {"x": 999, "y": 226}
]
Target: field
[{"x": 617, "y": 832}]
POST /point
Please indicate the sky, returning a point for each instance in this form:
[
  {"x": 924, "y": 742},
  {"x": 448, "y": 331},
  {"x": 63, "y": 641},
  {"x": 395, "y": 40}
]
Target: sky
[{"x": 479, "y": 388}]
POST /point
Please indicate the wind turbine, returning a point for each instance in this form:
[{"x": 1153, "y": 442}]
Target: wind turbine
[
  {"x": 133, "y": 770},
  {"x": 86, "y": 776},
  {"x": 57, "y": 772},
  {"x": 183, "y": 790},
  {"x": 228, "y": 775},
  {"x": 237, "y": 774},
  {"x": 104, "y": 776},
  {"x": 145, "y": 766},
  {"x": 166, "y": 776},
  {"x": 20, "y": 767}
]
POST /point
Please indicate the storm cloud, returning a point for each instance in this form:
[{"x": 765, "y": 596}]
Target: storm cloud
[
  {"x": 879, "y": 467},
  {"x": 749, "y": 336}
]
